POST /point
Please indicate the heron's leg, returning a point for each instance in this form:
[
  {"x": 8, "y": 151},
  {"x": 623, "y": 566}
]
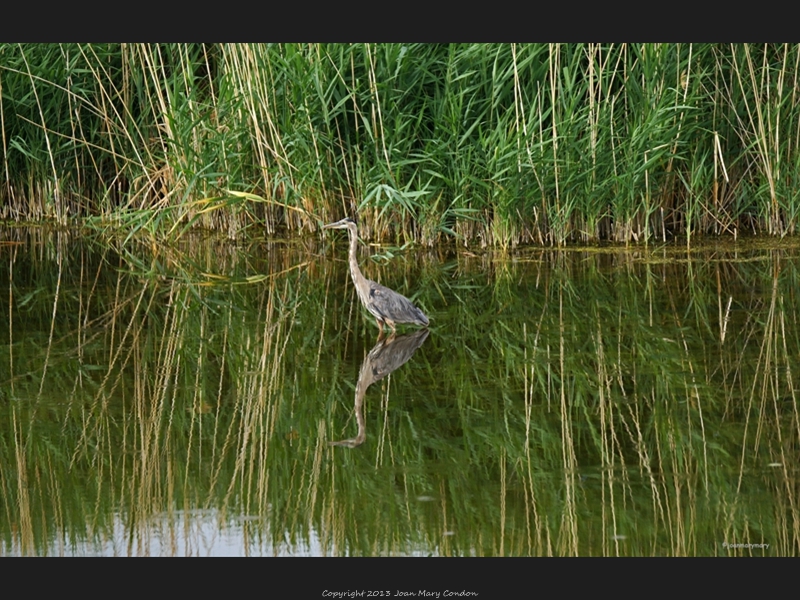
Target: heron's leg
[{"x": 380, "y": 325}]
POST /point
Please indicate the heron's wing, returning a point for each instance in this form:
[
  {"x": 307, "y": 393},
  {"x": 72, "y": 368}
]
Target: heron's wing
[
  {"x": 393, "y": 306},
  {"x": 379, "y": 298}
]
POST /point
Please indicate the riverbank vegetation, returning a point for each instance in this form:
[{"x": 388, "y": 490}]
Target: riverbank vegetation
[{"x": 497, "y": 144}]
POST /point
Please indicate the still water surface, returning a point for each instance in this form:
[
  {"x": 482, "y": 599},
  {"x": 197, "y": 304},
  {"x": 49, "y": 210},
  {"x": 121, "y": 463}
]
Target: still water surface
[{"x": 213, "y": 399}]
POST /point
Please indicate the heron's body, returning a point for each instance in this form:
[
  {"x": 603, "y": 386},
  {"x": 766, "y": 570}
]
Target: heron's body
[{"x": 387, "y": 306}]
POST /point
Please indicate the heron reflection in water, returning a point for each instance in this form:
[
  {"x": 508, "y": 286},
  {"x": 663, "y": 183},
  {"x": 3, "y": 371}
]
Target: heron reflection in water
[
  {"x": 387, "y": 356},
  {"x": 387, "y": 306}
]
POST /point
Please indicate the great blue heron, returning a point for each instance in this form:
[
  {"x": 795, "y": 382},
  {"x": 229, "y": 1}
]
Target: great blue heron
[{"x": 387, "y": 306}]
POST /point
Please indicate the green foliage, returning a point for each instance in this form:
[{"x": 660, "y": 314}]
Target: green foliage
[{"x": 491, "y": 144}]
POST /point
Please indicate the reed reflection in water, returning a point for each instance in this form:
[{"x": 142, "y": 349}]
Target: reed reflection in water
[
  {"x": 614, "y": 402},
  {"x": 388, "y": 355}
]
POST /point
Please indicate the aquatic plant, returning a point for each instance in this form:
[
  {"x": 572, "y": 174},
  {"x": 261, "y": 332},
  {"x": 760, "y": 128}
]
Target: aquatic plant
[{"x": 486, "y": 144}]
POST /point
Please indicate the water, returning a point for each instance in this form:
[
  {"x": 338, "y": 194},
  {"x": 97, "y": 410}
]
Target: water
[{"x": 209, "y": 399}]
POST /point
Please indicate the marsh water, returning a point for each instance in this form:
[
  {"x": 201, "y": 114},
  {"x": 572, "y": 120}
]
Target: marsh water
[{"x": 212, "y": 398}]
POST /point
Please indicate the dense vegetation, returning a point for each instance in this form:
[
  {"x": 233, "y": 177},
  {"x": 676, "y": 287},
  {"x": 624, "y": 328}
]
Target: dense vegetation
[{"x": 487, "y": 144}]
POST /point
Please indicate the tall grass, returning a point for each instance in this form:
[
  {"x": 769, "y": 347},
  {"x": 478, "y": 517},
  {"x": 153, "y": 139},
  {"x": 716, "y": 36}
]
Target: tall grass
[{"x": 487, "y": 144}]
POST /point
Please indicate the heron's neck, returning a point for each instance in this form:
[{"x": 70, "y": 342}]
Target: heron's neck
[{"x": 355, "y": 272}]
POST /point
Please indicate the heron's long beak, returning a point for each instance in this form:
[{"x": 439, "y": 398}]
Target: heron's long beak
[{"x": 336, "y": 225}]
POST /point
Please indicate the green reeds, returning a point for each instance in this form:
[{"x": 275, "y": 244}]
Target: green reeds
[{"x": 490, "y": 144}]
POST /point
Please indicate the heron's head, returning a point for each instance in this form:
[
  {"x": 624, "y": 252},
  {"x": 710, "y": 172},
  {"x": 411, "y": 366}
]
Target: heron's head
[{"x": 343, "y": 224}]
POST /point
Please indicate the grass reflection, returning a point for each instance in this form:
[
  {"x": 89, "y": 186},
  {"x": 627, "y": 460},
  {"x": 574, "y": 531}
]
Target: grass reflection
[{"x": 623, "y": 402}]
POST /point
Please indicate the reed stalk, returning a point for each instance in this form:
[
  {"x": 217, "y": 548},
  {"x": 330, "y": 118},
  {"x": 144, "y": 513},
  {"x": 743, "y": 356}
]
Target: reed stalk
[{"x": 493, "y": 145}]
